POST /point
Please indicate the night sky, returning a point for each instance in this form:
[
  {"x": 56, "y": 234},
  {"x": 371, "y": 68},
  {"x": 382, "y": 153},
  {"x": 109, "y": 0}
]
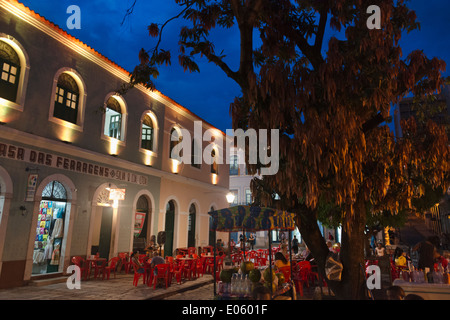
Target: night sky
[{"x": 208, "y": 93}]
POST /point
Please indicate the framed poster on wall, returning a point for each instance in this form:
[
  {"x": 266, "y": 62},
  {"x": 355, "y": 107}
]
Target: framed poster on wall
[
  {"x": 31, "y": 187},
  {"x": 138, "y": 223}
]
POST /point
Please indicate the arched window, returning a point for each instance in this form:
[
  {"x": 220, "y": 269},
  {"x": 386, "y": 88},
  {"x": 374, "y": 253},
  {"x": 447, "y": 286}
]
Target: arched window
[
  {"x": 10, "y": 72},
  {"x": 54, "y": 191},
  {"x": 148, "y": 133},
  {"x": 67, "y": 98},
  {"x": 113, "y": 119}
]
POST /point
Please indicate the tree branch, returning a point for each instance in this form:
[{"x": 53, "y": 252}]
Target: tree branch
[{"x": 321, "y": 29}]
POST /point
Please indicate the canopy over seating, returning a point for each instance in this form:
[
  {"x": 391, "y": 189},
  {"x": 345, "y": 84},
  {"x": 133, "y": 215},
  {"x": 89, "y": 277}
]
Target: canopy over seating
[{"x": 252, "y": 218}]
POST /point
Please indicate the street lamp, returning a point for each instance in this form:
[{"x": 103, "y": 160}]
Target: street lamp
[{"x": 230, "y": 197}]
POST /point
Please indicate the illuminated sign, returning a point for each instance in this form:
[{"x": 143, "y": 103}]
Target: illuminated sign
[
  {"x": 117, "y": 194},
  {"x": 59, "y": 162}
]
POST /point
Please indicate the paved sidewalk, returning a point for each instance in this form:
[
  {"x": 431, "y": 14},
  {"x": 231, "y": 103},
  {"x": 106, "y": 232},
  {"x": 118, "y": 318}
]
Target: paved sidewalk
[{"x": 120, "y": 288}]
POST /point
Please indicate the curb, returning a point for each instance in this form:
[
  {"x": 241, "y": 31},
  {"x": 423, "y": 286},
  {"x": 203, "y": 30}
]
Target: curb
[{"x": 181, "y": 290}]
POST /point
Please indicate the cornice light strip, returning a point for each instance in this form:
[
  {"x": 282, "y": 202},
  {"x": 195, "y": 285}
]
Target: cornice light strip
[{"x": 124, "y": 76}]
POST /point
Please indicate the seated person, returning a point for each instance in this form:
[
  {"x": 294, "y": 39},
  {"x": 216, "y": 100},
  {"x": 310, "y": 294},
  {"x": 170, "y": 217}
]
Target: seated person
[
  {"x": 281, "y": 261},
  {"x": 155, "y": 261},
  {"x": 401, "y": 260},
  {"x": 135, "y": 259}
]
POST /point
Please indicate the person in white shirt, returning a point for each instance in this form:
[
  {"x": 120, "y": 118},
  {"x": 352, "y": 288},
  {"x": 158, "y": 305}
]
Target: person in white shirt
[{"x": 380, "y": 250}]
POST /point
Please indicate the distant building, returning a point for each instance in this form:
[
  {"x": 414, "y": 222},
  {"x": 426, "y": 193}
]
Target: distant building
[
  {"x": 438, "y": 217},
  {"x": 405, "y": 110},
  {"x": 240, "y": 187}
]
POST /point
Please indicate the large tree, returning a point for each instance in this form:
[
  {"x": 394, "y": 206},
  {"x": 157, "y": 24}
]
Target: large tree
[{"x": 330, "y": 98}]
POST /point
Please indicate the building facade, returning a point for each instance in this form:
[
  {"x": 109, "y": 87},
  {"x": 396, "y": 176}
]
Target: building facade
[
  {"x": 437, "y": 218},
  {"x": 83, "y": 169}
]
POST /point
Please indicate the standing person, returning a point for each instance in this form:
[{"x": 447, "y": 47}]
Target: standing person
[
  {"x": 251, "y": 241},
  {"x": 295, "y": 245},
  {"x": 232, "y": 245},
  {"x": 427, "y": 252},
  {"x": 380, "y": 251}
]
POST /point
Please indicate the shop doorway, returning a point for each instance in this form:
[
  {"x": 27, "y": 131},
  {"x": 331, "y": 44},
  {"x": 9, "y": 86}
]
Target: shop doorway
[
  {"x": 191, "y": 226},
  {"x": 104, "y": 242},
  {"x": 142, "y": 228},
  {"x": 169, "y": 228},
  {"x": 50, "y": 229}
]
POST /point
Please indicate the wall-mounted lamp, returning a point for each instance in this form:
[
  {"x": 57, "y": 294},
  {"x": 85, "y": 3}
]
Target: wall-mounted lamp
[
  {"x": 230, "y": 197},
  {"x": 23, "y": 210},
  {"x": 214, "y": 178},
  {"x": 114, "y": 147},
  {"x": 175, "y": 166}
]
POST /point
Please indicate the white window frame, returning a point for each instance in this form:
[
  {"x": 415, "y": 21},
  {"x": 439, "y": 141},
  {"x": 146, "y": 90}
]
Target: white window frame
[{"x": 81, "y": 100}]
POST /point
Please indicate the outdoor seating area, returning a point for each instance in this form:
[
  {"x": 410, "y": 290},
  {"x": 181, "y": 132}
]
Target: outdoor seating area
[{"x": 186, "y": 265}]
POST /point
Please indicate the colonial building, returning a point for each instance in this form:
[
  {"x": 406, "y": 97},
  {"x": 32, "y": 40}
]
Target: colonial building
[{"x": 82, "y": 169}]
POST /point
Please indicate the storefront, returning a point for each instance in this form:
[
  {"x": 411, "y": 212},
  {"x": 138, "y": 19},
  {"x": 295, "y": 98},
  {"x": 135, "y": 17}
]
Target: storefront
[{"x": 49, "y": 229}]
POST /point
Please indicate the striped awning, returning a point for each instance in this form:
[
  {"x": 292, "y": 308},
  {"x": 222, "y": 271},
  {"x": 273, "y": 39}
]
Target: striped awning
[{"x": 252, "y": 218}]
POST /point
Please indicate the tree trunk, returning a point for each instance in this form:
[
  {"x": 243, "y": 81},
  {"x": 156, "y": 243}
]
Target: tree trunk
[{"x": 352, "y": 285}]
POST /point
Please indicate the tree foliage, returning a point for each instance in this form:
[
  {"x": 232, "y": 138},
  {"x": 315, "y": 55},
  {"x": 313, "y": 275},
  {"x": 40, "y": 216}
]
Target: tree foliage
[{"x": 330, "y": 98}]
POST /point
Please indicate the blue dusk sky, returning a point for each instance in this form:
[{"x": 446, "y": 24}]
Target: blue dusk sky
[{"x": 208, "y": 93}]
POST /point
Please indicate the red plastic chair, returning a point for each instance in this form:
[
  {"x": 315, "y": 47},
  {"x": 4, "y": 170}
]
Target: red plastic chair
[
  {"x": 190, "y": 271},
  {"x": 261, "y": 262},
  {"x": 106, "y": 270},
  {"x": 252, "y": 256},
  {"x": 305, "y": 266},
  {"x": 299, "y": 277},
  {"x": 170, "y": 260},
  {"x": 137, "y": 275},
  {"x": 98, "y": 266},
  {"x": 177, "y": 271},
  {"x": 83, "y": 265},
  {"x": 201, "y": 266},
  {"x": 286, "y": 271},
  {"x": 210, "y": 264},
  {"x": 125, "y": 261},
  {"x": 162, "y": 272}
]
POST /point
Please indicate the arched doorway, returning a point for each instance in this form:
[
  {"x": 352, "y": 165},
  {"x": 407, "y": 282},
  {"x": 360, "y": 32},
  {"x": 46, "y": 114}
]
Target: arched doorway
[
  {"x": 142, "y": 222},
  {"x": 6, "y": 192},
  {"x": 169, "y": 228},
  {"x": 191, "y": 225},
  {"x": 50, "y": 229}
]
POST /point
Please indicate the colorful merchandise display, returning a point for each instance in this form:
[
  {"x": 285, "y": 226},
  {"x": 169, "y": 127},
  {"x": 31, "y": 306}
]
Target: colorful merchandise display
[{"x": 49, "y": 235}]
